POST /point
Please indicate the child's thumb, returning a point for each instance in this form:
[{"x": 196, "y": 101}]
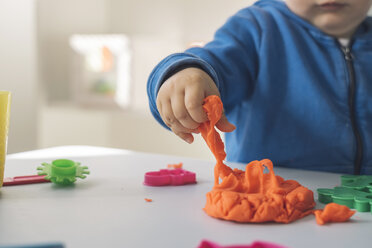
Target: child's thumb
[{"x": 224, "y": 125}]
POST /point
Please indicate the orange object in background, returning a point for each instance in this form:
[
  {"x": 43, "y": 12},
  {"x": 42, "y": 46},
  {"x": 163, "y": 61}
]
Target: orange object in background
[
  {"x": 148, "y": 199},
  {"x": 175, "y": 166},
  {"x": 107, "y": 59},
  {"x": 252, "y": 195},
  {"x": 333, "y": 212}
]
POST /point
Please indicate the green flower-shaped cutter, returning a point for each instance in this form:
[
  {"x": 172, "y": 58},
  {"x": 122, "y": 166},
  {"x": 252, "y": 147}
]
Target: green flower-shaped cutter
[
  {"x": 355, "y": 192},
  {"x": 63, "y": 171},
  {"x": 361, "y": 183}
]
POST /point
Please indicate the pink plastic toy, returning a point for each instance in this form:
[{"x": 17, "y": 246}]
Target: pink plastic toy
[
  {"x": 10, "y": 181},
  {"x": 169, "y": 177},
  {"x": 257, "y": 244}
]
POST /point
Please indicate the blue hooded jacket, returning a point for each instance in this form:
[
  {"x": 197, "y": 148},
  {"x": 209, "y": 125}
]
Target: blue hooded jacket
[{"x": 294, "y": 93}]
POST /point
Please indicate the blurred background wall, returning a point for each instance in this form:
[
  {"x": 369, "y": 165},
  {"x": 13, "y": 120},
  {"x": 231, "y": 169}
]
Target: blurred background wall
[
  {"x": 37, "y": 68},
  {"x": 18, "y": 71},
  {"x": 35, "y": 64}
]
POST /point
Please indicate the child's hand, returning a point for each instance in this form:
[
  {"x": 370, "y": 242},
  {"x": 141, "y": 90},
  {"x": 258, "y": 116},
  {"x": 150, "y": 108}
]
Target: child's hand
[{"x": 180, "y": 103}]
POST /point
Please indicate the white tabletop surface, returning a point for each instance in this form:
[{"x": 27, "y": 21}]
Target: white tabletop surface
[{"x": 107, "y": 209}]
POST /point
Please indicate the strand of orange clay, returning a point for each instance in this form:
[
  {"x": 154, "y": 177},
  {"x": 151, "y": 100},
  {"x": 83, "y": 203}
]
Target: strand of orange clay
[
  {"x": 252, "y": 195},
  {"x": 213, "y": 107}
]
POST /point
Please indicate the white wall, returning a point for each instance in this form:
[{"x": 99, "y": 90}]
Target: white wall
[
  {"x": 205, "y": 16},
  {"x": 18, "y": 71},
  {"x": 56, "y": 21},
  {"x": 146, "y": 17}
]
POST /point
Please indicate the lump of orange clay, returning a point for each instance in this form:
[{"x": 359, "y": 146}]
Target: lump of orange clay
[
  {"x": 333, "y": 212},
  {"x": 255, "y": 196},
  {"x": 252, "y": 195}
]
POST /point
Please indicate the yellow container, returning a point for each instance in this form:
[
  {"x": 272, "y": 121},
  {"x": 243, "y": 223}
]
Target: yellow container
[{"x": 4, "y": 123}]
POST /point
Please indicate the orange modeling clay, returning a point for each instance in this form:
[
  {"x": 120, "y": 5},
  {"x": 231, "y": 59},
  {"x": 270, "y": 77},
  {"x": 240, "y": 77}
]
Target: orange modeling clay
[
  {"x": 250, "y": 195},
  {"x": 333, "y": 212},
  {"x": 175, "y": 166}
]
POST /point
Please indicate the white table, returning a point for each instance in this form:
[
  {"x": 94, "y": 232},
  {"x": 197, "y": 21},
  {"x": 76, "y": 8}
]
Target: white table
[{"x": 107, "y": 209}]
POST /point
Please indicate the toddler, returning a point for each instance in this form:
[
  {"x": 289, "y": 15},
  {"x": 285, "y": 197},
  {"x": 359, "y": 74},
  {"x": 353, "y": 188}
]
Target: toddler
[{"x": 295, "y": 78}]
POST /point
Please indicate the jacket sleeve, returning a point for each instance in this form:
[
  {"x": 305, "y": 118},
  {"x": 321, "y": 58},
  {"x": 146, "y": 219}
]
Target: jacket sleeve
[{"x": 230, "y": 60}]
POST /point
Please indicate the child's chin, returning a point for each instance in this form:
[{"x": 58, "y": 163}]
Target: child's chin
[{"x": 332, "y": 25}]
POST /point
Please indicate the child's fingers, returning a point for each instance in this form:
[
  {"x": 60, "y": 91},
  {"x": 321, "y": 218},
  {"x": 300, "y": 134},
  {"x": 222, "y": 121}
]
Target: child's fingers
[
  {"x": 194, "y": 104},
  {"x": 224, "y": 125},
  {"x": 171, "y": 121},
  {"x": 185, "y": 136},
  {"x": 180, "y": 112}
]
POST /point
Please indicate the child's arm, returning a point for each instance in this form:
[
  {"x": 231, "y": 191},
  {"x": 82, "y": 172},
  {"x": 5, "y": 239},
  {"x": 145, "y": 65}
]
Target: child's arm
[{"x": 227, "y": 67}]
